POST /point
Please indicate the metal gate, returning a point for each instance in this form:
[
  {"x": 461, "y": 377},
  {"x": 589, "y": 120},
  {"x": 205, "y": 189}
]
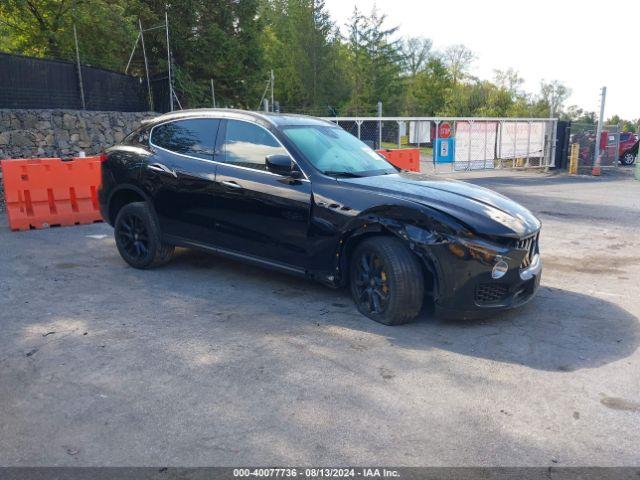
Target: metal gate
[{"x": 451, "y": 144}]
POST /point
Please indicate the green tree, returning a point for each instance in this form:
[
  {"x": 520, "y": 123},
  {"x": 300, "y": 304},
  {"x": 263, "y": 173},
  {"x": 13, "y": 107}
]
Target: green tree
[
  {"x": 553, "y": 94},
  {"x": 426, "y": 92},
  {"x": 236, "y": 44},
  {"x": 625, "y": 125},
  {"x": 509, "y": 80},
  {"x": 375, "y": 62},
  {"x": 416, "y": 51},
  {"x": 302, "y": 45},
  {"x": 458, "y": 59},
  {"x": 44, "y": 28},
  {"x": 210, "y": 39},
  {"x": 480, "y": 98}
]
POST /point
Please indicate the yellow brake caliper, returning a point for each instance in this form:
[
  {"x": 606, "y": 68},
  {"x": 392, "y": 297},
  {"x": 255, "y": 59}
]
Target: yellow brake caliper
[{"x": 385, "y": 288}]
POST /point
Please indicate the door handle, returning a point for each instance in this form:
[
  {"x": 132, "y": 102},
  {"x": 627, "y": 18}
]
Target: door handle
[
  {"x": 158, "y": 167},
  {"x": 232, "y": 184}
]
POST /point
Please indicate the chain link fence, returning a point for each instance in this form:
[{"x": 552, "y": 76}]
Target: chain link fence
[
  {"x": 450, "y": 144},
  {"x": 585, "y": 136}
]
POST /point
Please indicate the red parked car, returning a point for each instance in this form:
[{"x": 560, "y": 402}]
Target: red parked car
[{"x": 628, "y": 150}]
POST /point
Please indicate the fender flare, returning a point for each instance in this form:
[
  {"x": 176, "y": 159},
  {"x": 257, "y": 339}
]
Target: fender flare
[
  {"x": 138, "y": 191},
  {"x": 374, "y": 225}
]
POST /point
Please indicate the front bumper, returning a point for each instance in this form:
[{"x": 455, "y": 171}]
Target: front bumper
[
  {"x": 519, "y": 295},
  {"x": 465, "y": 287}
]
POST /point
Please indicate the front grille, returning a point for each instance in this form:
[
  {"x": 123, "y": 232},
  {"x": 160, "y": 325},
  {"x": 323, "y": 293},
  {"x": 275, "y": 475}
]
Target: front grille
[
  {"x": 490, "y": 293},
  {"x": 530, "y": 244}
]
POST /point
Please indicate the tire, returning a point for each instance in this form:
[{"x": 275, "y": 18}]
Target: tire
[
  {"x": 627, "y": 159},
  {"x": 137, "y": 236},
  {"x": 391, "y": 291}
]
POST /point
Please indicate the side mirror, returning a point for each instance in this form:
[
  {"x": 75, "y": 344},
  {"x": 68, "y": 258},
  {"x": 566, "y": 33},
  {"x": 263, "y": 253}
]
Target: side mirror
[
  {"x": 280, "y": 164},
  {"x": 296, "y": 174}
]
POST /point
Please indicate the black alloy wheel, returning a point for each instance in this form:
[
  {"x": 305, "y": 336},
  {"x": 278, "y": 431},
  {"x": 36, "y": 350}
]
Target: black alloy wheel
[
  {"x": 386, "y": 280},
  {"x": 133, "y": 236},
  {"x": 372, "y": 290},
  {"x": 138, "y": 237}
]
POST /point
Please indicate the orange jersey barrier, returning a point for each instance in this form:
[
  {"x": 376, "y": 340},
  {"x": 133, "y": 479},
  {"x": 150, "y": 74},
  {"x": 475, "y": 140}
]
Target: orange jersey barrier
[
  {"x": 45, "y": 192},
  {"x": 405, "y": 158}
]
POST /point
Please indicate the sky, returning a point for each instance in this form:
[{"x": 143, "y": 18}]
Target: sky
[{"x": 584, "y": 44}]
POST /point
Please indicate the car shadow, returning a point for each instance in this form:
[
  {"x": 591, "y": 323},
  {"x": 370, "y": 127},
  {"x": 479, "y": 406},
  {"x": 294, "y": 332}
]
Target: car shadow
[{"x": 559, "y": 330}]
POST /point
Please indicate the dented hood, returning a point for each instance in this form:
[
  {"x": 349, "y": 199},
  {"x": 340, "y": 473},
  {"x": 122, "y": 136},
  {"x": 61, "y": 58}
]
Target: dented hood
[{"x": 483, "y": 210}]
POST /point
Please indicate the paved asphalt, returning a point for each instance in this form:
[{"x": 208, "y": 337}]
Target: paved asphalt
[{"x": 210, "y": 362}]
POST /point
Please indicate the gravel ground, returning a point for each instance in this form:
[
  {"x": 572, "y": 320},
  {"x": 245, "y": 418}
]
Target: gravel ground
[{"x": 210, "y": 362}]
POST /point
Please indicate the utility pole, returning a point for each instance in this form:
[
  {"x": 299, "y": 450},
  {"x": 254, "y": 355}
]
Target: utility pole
[
  {"x": 75, "y": 37},
  {"x": 166, "y": 23},
  {"x": 146, "y": 66},
  {"x": 379, "y": 124},
  {"x": 213, "y": 95},
  {"x": 126, "y": 69},
  {"x": 272, "y": 78},
  {"x": 603, "y": 96}
]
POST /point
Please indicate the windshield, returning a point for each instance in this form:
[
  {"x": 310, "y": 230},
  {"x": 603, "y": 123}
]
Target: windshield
[{"x": 336, "y": 152}]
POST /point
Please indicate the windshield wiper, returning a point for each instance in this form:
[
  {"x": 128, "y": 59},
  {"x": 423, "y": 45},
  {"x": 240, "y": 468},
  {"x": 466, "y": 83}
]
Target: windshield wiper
[{"x": 335, "y": 173}]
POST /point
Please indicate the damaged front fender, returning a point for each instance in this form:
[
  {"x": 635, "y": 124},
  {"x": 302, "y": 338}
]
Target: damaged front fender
[
  {"x": 436, "y": 239},
  {"x": 418, "y": 231}
]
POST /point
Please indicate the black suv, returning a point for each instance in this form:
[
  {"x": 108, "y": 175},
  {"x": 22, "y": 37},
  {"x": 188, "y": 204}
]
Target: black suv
[{"x": 302, "y": 195}]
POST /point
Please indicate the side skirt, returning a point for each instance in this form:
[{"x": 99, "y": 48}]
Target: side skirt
[{"x": 252, "y": 259}]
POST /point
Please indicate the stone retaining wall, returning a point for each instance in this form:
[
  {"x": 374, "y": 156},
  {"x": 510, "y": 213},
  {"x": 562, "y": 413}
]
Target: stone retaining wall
[{"x": 63, "y": 133}]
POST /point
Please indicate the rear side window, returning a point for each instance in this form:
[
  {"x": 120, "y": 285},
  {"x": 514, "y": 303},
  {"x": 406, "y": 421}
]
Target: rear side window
[
  {"x": 248, "y": 145},
  {"x": 624, "y": 137},
  {"x": 194, "y": 137},
  {"x": 139, "y": 136}
]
